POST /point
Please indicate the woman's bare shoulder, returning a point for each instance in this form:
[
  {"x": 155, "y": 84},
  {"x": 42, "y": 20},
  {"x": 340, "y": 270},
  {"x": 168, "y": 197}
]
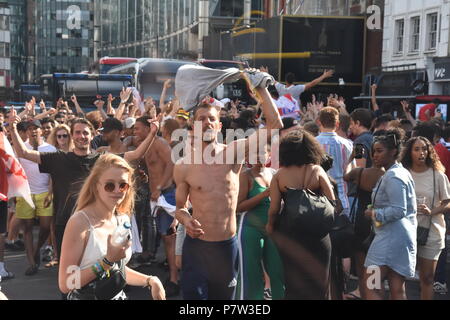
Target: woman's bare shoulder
[{"x": 78, "y": 222}]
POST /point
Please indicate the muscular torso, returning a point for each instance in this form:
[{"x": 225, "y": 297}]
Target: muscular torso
[
  {"x": 156, "y": 166},
  {"x": 213, "y": 192}
]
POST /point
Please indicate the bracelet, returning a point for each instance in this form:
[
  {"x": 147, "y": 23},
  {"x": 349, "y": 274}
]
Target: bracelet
[
  {"x": 105, "y": 266},
  {"x": 98, "y": 270},
  {"x": 107, "y": 262}
]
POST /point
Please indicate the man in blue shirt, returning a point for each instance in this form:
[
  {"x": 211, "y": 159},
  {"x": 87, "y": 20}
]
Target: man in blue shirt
[{"x": 337, "y": 147}]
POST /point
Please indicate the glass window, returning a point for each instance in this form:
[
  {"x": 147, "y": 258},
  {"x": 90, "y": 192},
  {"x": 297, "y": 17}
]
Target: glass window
[
  {"x": 399, "y": 34},
  {"x": 432, "y": 26},
  {"x": 415, "y": 34}
]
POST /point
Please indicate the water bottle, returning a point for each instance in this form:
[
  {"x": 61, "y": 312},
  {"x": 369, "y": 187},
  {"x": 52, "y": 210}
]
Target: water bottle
[{"x": 122, "y": 234}]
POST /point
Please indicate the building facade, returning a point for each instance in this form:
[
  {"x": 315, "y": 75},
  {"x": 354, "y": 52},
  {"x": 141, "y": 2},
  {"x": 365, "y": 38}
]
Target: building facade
[
  {"x": 165, "y": 28},
  {"x": 22, "y": 50},
  {"x": 5, "y": 49},
  {"x": 64, "y": 33},
  {"x": 417, "y": 33}
]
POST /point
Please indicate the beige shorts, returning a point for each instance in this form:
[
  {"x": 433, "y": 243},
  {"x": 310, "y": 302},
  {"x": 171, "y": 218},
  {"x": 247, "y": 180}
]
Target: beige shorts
[{"x": 428, "y": 253}]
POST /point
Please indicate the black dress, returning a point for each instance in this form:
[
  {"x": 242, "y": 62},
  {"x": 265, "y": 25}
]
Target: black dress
[
  {"x": 306, "y": 260},
  {"x": 363, "y": 225}
]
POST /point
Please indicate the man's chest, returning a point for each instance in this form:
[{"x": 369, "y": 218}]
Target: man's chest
[{"x": 213, "y": 178}]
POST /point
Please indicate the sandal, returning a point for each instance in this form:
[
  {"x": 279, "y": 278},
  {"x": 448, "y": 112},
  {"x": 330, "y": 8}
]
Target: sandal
[{"x": 52, "y": 263}]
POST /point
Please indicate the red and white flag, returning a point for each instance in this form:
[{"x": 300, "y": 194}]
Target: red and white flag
[{"x": 13, "y": 180}]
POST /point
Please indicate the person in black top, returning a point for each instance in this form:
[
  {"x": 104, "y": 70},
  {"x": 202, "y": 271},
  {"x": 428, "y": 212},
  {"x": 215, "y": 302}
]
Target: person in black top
[{"x": 69, "y": 170}]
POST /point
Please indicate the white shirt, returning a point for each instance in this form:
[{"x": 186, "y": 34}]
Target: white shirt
[
  {"x": 294, "y": 91},
  {"x": 39, "y": 182}
]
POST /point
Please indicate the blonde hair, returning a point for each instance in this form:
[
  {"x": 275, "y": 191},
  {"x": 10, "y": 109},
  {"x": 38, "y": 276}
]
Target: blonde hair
[
  {"x": 89, "y": 193},
  {"x": 52, "y": 137}
]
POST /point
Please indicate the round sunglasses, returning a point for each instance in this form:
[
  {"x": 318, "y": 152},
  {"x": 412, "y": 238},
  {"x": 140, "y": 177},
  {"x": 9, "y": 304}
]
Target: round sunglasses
[
  {"x": 61, "y": 136},
  {"x": 111, "y": 187}
]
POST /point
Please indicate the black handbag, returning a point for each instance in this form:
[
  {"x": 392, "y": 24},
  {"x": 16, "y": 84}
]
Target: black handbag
[
  {"x": 105, "y": 288},
  {"x": 306, "y": 213},
  {"x": 423, "y": 232}
]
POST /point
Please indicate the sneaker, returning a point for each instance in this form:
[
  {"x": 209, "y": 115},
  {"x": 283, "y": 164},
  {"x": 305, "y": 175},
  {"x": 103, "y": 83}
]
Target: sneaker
[
  {"x": 47, "y": 254},
  {"x": 172, "y": 289},
  {"x": 260, "y": 79},
  {"x": 6, "y": 275},
  {"x": 15, "y": 246},
  {"x": 267, "y": 294},
  {"x": 440, "y": 288},
  {"x": 31, "y": 271}
]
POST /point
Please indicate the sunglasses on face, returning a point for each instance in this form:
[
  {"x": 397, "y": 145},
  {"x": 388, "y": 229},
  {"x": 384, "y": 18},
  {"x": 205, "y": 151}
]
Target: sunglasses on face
[
  {"x": 111, "y": 186},
  {"x": 61, "y": 136}
]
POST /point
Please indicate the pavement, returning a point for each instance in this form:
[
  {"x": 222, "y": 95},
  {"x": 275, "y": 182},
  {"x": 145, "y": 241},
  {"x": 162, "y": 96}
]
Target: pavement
[{"x": 44, "y": 285}]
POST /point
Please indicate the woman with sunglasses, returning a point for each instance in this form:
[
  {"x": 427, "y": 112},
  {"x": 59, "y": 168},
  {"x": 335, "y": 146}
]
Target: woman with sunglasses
[
  {"x": 104, "y": 203},
  {"x": 61, "y": 139},
  {"x": 433, "y": 196},
  {"x": 392, "y": 254}
]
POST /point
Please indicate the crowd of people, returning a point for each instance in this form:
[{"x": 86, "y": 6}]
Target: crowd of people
[{"x": 229, "y": 229}]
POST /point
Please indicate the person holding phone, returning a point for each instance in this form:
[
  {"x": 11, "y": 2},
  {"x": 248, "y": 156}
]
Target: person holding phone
[{"x": 104, "y": 203}]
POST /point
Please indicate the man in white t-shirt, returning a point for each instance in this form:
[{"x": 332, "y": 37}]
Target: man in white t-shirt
[
  {"x": 41, "y": 195},
  {"x": 296, "y": 90}
]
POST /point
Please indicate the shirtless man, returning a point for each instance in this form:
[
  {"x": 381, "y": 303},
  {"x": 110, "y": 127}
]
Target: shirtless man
[
  {"x": 160, "y": 170},
  {"x": 209, "y": 267},
  {"x": 112, "y": 131}
]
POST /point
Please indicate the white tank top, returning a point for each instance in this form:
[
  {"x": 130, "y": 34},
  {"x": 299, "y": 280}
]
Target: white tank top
[{"x": 96, "y": 250}]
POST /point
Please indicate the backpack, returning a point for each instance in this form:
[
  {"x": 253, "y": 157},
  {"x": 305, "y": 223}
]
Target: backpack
[{"x": 306, "y": 214}]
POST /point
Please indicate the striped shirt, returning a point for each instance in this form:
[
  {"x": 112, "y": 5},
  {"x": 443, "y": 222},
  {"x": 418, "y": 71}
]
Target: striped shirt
[{"x": 340, "y": 149}]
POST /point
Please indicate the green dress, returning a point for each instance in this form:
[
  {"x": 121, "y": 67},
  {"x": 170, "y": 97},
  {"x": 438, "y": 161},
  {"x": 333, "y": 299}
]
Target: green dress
[{"x": 257, "y": 249}]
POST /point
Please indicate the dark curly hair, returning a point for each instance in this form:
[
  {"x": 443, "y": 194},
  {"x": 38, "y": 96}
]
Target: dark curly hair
[
  {"x": 391, "y": 139},
  {"x": 432, "y": 160},
  {"x": 299, "y": 148}
]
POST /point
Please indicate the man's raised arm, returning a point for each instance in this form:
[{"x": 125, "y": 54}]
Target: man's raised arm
[
  {"x": 19, "y": 146},
  {"x": 269, "y": 110},
  {"x": 145, "y": 145}
]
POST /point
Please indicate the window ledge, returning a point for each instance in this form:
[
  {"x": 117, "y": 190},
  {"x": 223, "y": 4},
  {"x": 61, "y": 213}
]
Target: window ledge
[
  {"x": 430, "y": 51},
  {"x": 413, "y": 53}
]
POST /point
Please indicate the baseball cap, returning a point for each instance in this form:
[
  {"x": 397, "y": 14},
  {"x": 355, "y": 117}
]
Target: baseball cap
[
  {"x": 111, "y": 124},
  {"x": 183, "y": 114},
  {"x": 129, "y": 123},
  {"x": 289, "y": 123},
  {"x": 34, "y": 123}
]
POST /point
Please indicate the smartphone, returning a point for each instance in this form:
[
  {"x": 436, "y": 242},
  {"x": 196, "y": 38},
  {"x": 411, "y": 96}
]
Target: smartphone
[{"x": 359, "y": 151}]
